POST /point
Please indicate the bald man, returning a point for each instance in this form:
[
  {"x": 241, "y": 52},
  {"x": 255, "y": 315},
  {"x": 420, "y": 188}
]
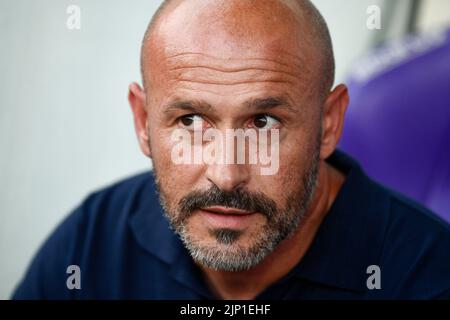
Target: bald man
[{"x": 281, "y": 215}]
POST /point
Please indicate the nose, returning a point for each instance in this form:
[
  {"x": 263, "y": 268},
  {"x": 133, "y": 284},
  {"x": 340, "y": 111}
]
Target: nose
[{"x": 228, "y": 177}]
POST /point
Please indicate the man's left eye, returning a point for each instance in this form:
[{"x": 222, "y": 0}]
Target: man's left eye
[{"x": 265, "y": 121}]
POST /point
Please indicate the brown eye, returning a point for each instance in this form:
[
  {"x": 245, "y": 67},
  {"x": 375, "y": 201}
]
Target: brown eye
[
  {"x": 191, "y": 122},
  {"x": 265, "y": 121},
  {"x": 260, "y": 121},
  {"x": 187, "y": 120}
]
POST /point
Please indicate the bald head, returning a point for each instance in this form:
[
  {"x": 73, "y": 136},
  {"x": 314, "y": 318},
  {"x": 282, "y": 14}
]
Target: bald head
[{"x": 248, "y": 18}]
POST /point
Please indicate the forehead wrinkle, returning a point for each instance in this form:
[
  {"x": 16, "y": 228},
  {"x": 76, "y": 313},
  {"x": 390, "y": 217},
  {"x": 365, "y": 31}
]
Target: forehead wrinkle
[
  {"x": 193, "y": 56},
  {"x": 284, "y": 85},
  {"x": 216, "y": 75},
  {"x": 220, "y": 93},
  {"x": 219, "y": 71},
  {"x": 243, "y": 92},
  {"x": 230, "y": 70},
  {"x": 221, "y": 83}
]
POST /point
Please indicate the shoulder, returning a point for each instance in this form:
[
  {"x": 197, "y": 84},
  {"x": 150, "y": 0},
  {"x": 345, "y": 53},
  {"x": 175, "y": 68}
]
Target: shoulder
[
  {"x": 416, "y": 250},
  {"x": 107, "y": 210},
  {"x": 99, "y": 219},
  {"x": 117, "y": 200},
  {"x": 121, "y": 193}
]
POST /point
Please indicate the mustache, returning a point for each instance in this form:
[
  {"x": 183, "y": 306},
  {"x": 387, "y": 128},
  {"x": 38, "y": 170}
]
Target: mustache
[{"x": 237, "y": 199}]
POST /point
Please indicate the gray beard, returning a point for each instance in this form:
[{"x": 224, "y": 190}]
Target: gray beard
[{"x": 227, "y": 254}]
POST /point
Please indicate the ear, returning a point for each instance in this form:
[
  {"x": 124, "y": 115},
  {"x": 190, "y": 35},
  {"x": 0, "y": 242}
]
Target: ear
[
  {"x": 333, "y": 119},
  {"x": 138, "y": 103}
]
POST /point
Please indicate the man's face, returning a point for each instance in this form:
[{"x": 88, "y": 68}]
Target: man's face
[{"x": 230, "y": 216}]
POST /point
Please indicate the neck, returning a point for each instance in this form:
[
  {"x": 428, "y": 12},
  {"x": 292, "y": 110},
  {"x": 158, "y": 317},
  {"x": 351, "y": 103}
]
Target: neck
[{"x": 248, "y": 284}]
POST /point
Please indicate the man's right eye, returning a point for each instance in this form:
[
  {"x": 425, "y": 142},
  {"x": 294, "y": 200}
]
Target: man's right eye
[{"x": 191, "y": 122}]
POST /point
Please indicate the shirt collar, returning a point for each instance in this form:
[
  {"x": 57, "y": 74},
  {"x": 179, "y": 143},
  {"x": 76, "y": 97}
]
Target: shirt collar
[{"x": 349, "y": 239}]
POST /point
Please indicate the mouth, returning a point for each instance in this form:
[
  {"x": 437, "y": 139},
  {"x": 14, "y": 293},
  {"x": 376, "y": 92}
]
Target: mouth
[
  {"x": 228, "y": 218},
  {"x": 227, "y": 211}
]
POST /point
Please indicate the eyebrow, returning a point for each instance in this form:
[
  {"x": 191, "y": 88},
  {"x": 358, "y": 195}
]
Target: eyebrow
[
  {"x": 263, "y": 104},
  {"x": 270, "y": 103},
  {"x": 191, "y": 105}
]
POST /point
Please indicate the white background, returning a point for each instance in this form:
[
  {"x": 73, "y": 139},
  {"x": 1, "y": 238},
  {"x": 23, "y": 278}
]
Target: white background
[{"x": 65, "y": 124}]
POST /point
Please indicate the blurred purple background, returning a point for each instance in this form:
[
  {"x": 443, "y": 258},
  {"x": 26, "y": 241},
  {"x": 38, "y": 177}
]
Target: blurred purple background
[{"x": 398, "y": 121}]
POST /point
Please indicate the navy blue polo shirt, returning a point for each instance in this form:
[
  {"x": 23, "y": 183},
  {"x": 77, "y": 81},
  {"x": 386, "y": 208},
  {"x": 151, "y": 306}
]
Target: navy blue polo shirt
[{"x": 125, "y": 249}]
